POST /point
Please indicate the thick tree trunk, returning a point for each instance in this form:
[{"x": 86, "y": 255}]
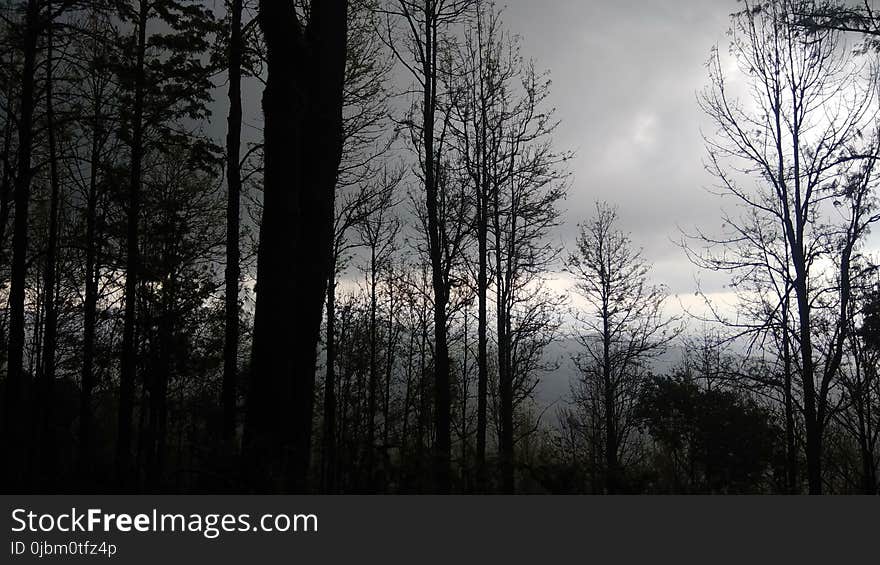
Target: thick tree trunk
[
  {"x": 233, "y": 204},
  {"x": 128, "y": 365},
  {"x": 302, "y": 105}
]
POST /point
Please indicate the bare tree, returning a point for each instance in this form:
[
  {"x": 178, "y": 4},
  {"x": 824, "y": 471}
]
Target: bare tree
[
  {"x": 806, "y": 138},
  {"x": 378, "y": 232},
  {"x": 501, "y": 132},
  {"x": 366, "y": 120},
  {"x": 94, "y": 149},
  {"x": 623, "y": 328},
  {"x": 418, "y": 47}
]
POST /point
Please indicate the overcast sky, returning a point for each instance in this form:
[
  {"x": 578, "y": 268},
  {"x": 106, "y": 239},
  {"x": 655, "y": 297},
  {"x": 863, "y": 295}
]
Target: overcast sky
[{"x": 625, "y": 78}]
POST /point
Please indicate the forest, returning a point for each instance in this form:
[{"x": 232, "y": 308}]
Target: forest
[{"x": 363, "y": 289}]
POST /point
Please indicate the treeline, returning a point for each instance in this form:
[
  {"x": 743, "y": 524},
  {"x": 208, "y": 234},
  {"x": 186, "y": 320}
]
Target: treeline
[{"x": 359, "y": 297}]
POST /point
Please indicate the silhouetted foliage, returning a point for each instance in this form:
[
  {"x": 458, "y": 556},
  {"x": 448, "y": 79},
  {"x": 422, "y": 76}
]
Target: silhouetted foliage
[{"x": 711, "y": 441}]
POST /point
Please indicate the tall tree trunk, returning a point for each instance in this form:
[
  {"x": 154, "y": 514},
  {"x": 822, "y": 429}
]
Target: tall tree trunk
[
  {"x": 795, "y": 228},
  {"x": 302, "y": 104},
  {"x": 483, "y": 187},
  {"x": 15, "y": 411},
  {"x": 128, "y": 365},
  {"x": 46, "y": 433},
  {"x": 91, "y": 301},
  {"x": 233, "y": 204},
  {"x": 442, "y": 396},
  {"x": 811, "y": 419}
]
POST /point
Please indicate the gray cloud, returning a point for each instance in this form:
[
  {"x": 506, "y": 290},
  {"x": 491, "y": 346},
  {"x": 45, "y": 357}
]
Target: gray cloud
[{"x": 625, "y": 78}]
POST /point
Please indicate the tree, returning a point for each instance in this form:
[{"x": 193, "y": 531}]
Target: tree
[
  {"x": 365, "y": 142},
  {"x": 716, "y": 441},
  {"x": 479, "y": 76},
  {"x": 803, "y": 143},
  {"x": 13, "y": 412},
  {"x": 501, "y": 134},
  {"x": 163, "y": 87},
  {"x": 526, "y": 189},
  {"x": 44, "y": 428},
  {"x": 378, "y": 233},
  {"x": 178, "y": 248},
  {"x": 623, "y": 328},
  {"x": 233, "y": 221},
  {"x": 859, "y": 411},
  {"x": 302, "y": 105},
  {"x": 425, "y": 23},
  {"x": 95, "y": 151}
]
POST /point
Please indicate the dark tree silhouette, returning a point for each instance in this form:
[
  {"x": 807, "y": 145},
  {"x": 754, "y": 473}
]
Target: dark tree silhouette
[
  {"x": 168, "y": 83},
  {"x": 425, "y": 22},
  {"x": 128, "y": 363},
  {"x": 623, "y": 329},
  {"x": 713, "y": 440},
  {"x": 43, "y": 440},
  {"x": 302, "y": 105},
  {"x": 794, "y": 145},
  {"x": 366, "y": 141},
  {"x": 98, "y": 90},
  {"x": 233, "y": 230},
  {"x": 15, "y": 408}
]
